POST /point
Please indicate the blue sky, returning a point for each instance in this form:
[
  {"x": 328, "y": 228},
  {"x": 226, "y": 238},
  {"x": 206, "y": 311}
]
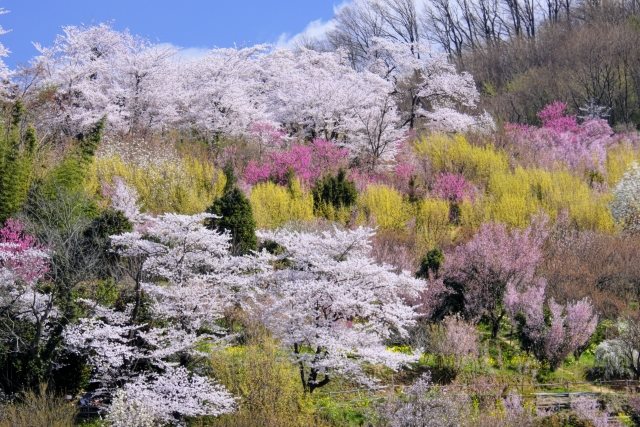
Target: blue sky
[{"x": 185, "y": 23}]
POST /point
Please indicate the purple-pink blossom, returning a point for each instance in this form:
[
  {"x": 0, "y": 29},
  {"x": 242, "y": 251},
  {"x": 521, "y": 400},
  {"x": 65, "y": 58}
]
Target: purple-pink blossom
[
  {"x": 308, "y": 162},
  {"x": 453, "y": 187},
  {"x": 20, "y": 253},
  {"x": 561, "y": 140}
]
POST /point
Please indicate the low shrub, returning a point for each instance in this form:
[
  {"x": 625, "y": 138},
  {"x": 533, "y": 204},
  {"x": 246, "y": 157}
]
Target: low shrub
[{"x": 38, "y": 408}]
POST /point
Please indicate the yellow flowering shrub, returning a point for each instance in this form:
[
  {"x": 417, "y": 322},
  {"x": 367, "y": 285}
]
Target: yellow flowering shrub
[
  {"x": 455, "y": 154},
  {"x": 514, "y": 197},
  {"x": 187, "y": 186},
  {"x": 385, "y": 207},
  {"x": 432, "y": 223},
  {"x": 619, "y": 159},
  {"x": 274, "y": 205}
]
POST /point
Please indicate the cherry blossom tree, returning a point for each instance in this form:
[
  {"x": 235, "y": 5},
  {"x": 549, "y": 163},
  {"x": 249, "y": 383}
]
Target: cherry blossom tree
[
  {"x": 334, "y": 307},
  {"x": 222, "y": 92},
  {"x": 26, "y": 309},
  {"x": 5, "y": 73},
  {"x": 384, "y": 37},
  {"x": 625, "y": 206},
  {"x": 184, "y": 278},
  {"x": 97, "y": 70}
]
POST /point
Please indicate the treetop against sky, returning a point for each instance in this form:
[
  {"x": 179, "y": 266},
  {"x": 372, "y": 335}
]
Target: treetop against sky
[{"x": 192, "y": 24}]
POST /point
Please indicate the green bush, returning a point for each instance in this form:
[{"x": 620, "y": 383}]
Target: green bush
[
  {"x": 236, "y": 217},
  {"x": 16, "y": 164},
  {"x": 333, "y": 196}
]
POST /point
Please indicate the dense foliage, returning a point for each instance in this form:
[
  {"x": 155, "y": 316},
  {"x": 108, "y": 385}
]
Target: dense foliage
[{"x": 330, "y": 233}]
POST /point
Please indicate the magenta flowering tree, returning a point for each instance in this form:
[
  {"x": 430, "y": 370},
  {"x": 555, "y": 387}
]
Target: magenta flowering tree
[
  {"x": 481, "y": 269},
  {"x": 554, "y": 117},
  {"x": 20, "y": 253},
  {"x": 27, "y": 311},
  {"x": 562, "y": 141},
  {"x": 308, "y": 162},
  {"x": 453, "y": 187}
]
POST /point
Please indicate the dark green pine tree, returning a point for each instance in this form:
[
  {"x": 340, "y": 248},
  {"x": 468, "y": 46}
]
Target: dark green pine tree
[
  {"x": 236, "y": 216},
  {"x": 336, "y": 191},
  {"x": 430, "y": 264},
  {"x": 17, "y": 152}
]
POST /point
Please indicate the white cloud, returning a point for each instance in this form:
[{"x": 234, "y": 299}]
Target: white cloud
[
  {"x": 315, "y": 30},
  {"x": 192, "y": 52}
]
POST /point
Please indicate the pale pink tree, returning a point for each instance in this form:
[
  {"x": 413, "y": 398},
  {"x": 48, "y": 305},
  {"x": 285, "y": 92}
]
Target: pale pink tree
[
  {"x": 495, "y": 257},
  {"x": 185, "y": 276},
  {"x": 625, "y": 206},
  {"x": 223, "y": 92},
  {"x": 334, "y": 307},
  {"x": 567, "y": 329},
  {"x": 97, "y": 70}
]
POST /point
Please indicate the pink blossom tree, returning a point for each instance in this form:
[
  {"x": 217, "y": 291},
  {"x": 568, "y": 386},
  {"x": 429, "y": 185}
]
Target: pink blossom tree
[
  {"x": 453, "y": 187},
  {"x": 562, "y": 141},
  {"x": 308, "y": 162},
  {"x": 27, "y": 310},
  {"x": 566, "y": 330},
  {"x": 483, "y": 267}
]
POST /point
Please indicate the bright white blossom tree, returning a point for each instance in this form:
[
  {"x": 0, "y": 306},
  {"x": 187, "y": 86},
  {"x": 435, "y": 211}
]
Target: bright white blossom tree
[
  {"x": 145, "y": 87},
  {"x": 626, "y": 199},
  {"x": 334, "y": 307},
  {"x": 98, "y": 70},
  {"x": 183, "y": 278}
]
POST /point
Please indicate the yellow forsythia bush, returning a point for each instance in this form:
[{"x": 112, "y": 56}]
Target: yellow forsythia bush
[
  {"x": 274, "y": 205},
  {"x": 267, "y": 384},
  {"x": 619, "y": 159},
  {"x": 187, "y": 185},
  {"x": 432, "y": 223},
  {"x": 453, "y": 153},
  {"x": 514, "y": 197},
  {"x": 385, "y": 207}
]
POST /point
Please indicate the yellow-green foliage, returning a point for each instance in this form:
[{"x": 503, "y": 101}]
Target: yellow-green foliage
[
  {"x": 38, "y": 409},
  {"x": 432, "y": 223},
  {"x": 274, "y": 205},
  {"x": 619, "y": 159},
  {"x": 385, "y": 207},
  {"x": 330, "y": 212},
  {"x": 185, "y": 186},
  {"x": 514, "y": 197},
  {"x": 454, "y": 154},
  {"x": 266, "y": 382}
]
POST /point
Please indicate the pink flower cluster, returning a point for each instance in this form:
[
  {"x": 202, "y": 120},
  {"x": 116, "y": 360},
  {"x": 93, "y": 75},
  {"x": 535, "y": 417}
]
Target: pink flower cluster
[
  {"x": 308, "y": 162},
  {"x": 553, "y": 117},
  {"x": 20, "y": 252},
  {"x": 453, "y": 187},
  {"x": 561, "y": 140}
]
